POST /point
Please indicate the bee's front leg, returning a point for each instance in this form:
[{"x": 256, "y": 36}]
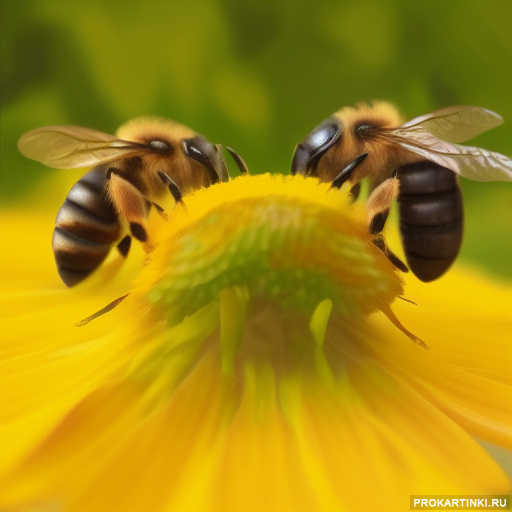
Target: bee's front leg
[
  {"x": 378, "y": 206},
  {"x": 172, "y": 186},
  {"x": 130, "y": 204}
]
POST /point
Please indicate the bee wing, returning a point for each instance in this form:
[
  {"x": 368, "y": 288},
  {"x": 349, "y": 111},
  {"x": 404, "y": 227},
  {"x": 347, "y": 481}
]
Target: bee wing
[
  {"x": 469, "y": 162},
  {"x": 71, "y": 147},
  {"x": 457, "y": 124}
]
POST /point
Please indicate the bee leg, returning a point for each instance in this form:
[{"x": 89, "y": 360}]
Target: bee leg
[
  {"x": 378, "y": 206},
  {"x": 109, "y": 307},
  {"x": 354, "y": 192},
  {"x": 379, "y": 203},
  {"x": 394, "y": 320},
  {"x": 130, "y": 204},
  {"x": 171, "y": 184},
  {"x": 124, "y": 246},
  {"x": 159, "y": 210},
  {"x": 378, "y": 241}
]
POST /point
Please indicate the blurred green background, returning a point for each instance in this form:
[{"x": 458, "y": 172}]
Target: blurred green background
[{"x": 258, "y": 75}]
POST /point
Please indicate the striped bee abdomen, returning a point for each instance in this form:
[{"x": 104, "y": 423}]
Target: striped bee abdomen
[
  {"x": 431, "y": 218},
  {"x": 86, "y": 227}
]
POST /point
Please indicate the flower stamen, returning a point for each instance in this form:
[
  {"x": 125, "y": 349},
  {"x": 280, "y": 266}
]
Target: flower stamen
[
  {"x": 394, "y": 320},
  {"x": 109, "y": 307},
  {"x": 233, "y": 310},
  {"x": 318, "y": 327}
]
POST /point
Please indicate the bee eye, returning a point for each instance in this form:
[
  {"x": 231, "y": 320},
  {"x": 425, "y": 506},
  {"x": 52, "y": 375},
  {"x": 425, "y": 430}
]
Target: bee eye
[
  {"x": 160, "y": 145},
  {"x": 362, "y": 129},
  {"x": 204, "y": 152},
  {"x": 317, "y": 142}
]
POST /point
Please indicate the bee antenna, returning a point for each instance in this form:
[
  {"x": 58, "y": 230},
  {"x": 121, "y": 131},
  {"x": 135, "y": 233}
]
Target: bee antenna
[{"x": 238, "y": 160}]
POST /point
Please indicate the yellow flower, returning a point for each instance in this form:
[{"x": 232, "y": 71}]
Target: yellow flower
[{"x": 255, "y": 364}]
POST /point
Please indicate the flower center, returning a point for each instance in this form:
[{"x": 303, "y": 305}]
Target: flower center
[{"x": 260, "y": 266}]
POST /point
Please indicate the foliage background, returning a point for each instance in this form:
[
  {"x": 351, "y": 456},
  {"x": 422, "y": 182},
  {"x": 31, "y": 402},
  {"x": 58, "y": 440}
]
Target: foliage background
[{"x": 256, "y": 75}]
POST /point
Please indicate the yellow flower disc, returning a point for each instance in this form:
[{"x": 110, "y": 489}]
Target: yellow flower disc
[{"x": 273, "y": 236}]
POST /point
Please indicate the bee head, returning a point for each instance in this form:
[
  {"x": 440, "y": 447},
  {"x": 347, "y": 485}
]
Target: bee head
[
  {"x": 337, "y": 141},
  {"x": 317, "y": 142},
  {"x": 203, "y": 151}
]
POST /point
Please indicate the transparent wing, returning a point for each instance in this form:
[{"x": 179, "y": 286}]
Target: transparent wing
[
  {"x": 457, "y": 124},
  {"x": 71, "y": 147},
  {"x": 470, "y": 162}
]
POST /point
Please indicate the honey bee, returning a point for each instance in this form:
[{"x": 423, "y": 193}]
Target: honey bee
[
  {"x": 416, "y": 163},
  {"x": 136, "y": 169}
]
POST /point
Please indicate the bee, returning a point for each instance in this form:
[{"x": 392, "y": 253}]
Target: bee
[
  {"x": 416, "y": 163},
  {"x": 148, "y": 159}
]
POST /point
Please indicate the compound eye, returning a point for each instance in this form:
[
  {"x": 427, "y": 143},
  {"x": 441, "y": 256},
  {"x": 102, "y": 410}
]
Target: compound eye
[
  {"x": 309, "y": 151},
  {"x": 362, "y": 130},
  {"x": 160, "y": 145},
  {"x": 321, "y": 136},
  {"x": 204, "y": 152}
]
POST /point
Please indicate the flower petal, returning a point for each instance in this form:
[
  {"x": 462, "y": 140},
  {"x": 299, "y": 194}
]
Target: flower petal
[{"x": 466, "y": 372}]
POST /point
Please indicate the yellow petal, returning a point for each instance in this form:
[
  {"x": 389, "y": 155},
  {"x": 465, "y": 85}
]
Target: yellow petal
[
  {"x": 205, "y": 390},
  {"x": 466, "y": 321}
]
